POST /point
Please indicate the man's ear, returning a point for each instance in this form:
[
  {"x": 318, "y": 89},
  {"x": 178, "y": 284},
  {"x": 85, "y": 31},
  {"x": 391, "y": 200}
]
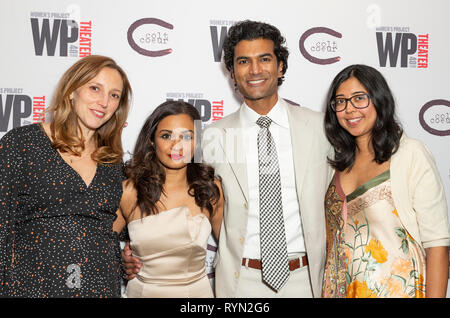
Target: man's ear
[{"x": 280, "y": 69}]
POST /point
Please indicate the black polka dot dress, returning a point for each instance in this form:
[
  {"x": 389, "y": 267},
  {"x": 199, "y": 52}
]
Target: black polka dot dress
[{"x": 56, "y": 237}]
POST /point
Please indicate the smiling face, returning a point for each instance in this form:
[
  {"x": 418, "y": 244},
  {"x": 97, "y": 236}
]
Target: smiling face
[
  {"x": 97, "y": 100},
  {"x": 256, "y": 71},
  {"x": 358, "y": 122},
  {"x": 174, "y": 141}
]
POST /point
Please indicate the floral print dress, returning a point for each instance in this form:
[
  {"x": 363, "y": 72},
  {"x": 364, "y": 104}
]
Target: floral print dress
[{"x": 369, "y": 252}]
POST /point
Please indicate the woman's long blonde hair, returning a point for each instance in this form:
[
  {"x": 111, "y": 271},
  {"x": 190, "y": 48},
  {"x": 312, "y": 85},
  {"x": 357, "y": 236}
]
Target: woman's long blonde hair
[{"x": 64, "y": 125}]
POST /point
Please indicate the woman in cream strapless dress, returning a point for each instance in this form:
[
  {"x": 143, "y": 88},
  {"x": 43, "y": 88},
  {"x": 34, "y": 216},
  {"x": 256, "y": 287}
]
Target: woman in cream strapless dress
[
  {"x": 170, "y": 205},
  {"x": 172, "y": 248}
]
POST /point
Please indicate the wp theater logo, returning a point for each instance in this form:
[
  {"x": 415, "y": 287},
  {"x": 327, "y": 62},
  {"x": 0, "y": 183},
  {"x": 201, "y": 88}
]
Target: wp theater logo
[
  {"x": 150, "y": 37},
  {"x": 52, "y": 31},
  {"x": 19, "y": 109},
  {"x": 402, "y": 48},
  {"x": 219, "y": 31},
  {"x": 209, "y": 109}
]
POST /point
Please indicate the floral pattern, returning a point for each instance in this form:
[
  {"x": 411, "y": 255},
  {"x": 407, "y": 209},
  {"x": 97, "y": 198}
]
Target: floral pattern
[{"x": 369, "y": 245}]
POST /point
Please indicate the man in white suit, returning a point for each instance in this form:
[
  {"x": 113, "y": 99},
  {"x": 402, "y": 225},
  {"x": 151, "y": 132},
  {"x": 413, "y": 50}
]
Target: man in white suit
[
  {"x": 257, "y": 60},
  {"x": 255, "y": 55}
]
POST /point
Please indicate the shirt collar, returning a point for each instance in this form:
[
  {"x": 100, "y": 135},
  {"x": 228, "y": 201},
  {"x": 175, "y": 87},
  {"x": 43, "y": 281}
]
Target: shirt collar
[{"x": 278, "y": 115}]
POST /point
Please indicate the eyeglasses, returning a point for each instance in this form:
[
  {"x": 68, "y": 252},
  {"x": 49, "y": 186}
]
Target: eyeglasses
[{"x": 359, "y": 101}]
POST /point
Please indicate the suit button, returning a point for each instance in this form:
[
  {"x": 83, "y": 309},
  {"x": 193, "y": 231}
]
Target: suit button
[
  {"x": 246, "y": 205},
  {"x": 236, "y": 274},
  {"x": 241, "y": 239}
]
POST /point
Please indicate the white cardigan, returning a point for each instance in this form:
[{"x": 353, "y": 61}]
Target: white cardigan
[{"x": 418, "y": 194}]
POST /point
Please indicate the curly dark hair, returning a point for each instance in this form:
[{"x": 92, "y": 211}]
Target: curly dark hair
[
  {"x": 148, "y": 174},
  {"x": 386, "y": 132},
  {"x": 252, "y": 30}
]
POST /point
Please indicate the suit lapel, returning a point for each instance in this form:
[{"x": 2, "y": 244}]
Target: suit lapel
[{"x": 235, "y": 152}]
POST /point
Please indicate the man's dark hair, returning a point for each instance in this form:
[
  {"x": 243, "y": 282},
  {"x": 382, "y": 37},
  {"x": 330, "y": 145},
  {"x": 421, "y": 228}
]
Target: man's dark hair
[{"x": 252, "y": 30}]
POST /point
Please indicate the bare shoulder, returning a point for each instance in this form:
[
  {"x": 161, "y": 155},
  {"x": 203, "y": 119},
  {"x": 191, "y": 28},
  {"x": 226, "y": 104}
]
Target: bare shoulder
[
  {"x": 129, "y": 191},
  {"x": 217, "y": 217},
  {"x": 129, "y": 197},
  {"x": 218, "y": 183},
  {"x": 128, "y": 185}
]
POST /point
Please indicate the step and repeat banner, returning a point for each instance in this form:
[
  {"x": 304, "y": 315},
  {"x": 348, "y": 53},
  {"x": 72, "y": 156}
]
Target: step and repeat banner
[{"x": 172, "y": 49}]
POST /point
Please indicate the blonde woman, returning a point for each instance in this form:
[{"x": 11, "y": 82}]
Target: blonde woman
[{"x": 60, "y": 185}]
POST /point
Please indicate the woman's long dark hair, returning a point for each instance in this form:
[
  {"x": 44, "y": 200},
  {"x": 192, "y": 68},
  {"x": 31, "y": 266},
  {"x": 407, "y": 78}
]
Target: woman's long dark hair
[
  {"x": 148, "y": 174},
  {"x": 386, "y": 133}
]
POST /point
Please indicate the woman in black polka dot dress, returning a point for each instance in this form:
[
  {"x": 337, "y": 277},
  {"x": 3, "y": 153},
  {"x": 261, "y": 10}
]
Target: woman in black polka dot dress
[{"x": 60, "y": 186}]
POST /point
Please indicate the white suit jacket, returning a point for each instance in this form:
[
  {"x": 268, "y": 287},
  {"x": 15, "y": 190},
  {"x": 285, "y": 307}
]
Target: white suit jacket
[{"x": 223, "y": 149}]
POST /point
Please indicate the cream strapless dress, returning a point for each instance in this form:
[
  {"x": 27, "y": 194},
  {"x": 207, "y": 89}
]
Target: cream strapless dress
[{"x": 172, "y": 248}]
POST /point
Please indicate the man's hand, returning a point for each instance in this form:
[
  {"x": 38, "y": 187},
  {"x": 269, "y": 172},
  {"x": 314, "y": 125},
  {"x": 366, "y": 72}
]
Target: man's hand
[{"x": 131, "y": 264}]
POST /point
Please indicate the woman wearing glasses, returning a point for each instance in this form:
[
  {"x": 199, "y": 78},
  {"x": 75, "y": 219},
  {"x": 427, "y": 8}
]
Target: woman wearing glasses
[{"x": 386, "y": 212}]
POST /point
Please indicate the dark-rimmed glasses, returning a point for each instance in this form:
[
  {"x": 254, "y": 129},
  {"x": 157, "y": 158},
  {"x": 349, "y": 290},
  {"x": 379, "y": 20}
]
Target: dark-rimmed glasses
[{"x": 359, "y": 101}]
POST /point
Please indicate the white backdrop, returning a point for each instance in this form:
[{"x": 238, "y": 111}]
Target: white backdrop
[{"x": 171, "y": 49}]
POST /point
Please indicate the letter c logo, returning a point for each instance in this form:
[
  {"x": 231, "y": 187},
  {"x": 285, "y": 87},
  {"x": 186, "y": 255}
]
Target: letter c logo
[
  {"x": 424, "y": 124},
  {"x": 314, "y": 59},
  {"x": 141, "y": 50}
]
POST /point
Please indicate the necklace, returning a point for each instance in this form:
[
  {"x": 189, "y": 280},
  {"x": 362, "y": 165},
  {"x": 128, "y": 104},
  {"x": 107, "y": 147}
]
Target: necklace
[
  {"x": 74, "y": 158},
  {"x": 71, "y": 159}
]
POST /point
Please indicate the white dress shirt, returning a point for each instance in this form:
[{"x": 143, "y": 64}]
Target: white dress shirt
[{"x": 282, "y": 137}]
